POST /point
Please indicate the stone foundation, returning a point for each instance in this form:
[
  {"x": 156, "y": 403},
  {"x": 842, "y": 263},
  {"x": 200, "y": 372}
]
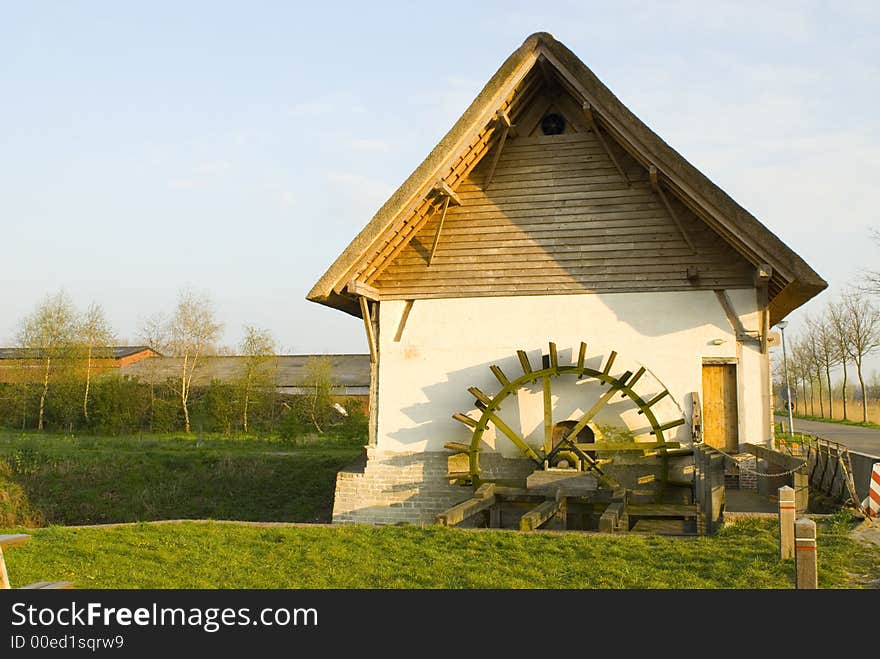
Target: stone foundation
[{"x": 409, "y": 488}]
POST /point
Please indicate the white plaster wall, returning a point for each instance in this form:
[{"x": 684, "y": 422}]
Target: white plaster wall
[{"x": 447, "y": 345}]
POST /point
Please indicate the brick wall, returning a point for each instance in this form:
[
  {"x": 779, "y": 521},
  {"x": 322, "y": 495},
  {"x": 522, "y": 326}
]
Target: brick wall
[{"x": 411, "y": 488}]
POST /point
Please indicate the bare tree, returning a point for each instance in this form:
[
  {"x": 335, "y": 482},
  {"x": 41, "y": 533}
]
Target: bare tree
[
  {"x": 48, "y": 334},
  {"x": 826, "y": 351},
  {"x": 258, "y": 349},
  {"x": 840, "y": 335},
  {"x": 153, "y": 332},
  {"x": 815, "y": 363},
  {"x": 802, "y": 360},
  {"x": 863, "y": 322},
  {"x": 191, "y": 331},
  {"x": 871, "y": 284},
  {"x": 95, "y": 336}
]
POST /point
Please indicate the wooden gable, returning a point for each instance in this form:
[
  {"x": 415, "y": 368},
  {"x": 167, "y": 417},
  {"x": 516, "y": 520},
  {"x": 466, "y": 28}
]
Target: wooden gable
[{"x": 559, "y": 217}]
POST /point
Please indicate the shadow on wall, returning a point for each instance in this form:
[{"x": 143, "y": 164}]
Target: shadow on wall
[{"x": 523, "y": 411}]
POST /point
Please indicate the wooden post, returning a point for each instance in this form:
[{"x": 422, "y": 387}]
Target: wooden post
[
  {"x": 4, "y": 577},
  {"x": 786, "y": 522},
  {"x": 805, "y": 554},
  {"x": 610, "y": 519},
  {"x": 495, "y": 515},
  {"x": 801, "y": 481}
]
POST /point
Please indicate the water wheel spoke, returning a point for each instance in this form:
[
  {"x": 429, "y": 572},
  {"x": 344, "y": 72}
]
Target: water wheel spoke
[
  {"x": 632, "y": 382},
  {"x": 524, "y": 362},
  {"x": 603, "y": 400},
  {"x": 512, "y": 436},
  {"x": 499, "y": 374}
]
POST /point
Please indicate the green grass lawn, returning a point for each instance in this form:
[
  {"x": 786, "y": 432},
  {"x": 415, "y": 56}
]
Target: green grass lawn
[
  {"x": 212, "y": 555},
  {"x": 56, "y": 479}
]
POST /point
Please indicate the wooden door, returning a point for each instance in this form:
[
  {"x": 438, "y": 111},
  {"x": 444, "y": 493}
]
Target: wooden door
[{"x": 719, "y": 406}]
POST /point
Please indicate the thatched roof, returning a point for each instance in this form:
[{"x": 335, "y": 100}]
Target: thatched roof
[{"x": 793, "y": 283}]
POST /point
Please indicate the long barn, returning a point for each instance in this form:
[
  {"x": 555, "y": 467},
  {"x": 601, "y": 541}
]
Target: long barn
[{"x": 550, "y": 253}]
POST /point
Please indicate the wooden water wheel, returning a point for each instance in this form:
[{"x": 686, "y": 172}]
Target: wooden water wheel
[{"x": 568, "y": 441}]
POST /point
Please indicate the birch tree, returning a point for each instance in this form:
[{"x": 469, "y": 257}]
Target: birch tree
[
  {"x": 319, "y": 382},
  {"x": 863, "y": 323},
  {"x": 192, "y": 331},
  {"x": 48, "y": 335},
  {"x": 95, "y": 336},
  {"x": 258, "y": 349}
]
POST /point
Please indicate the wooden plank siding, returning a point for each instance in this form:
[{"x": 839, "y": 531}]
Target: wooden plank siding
[{"x": 559, "y": 218}]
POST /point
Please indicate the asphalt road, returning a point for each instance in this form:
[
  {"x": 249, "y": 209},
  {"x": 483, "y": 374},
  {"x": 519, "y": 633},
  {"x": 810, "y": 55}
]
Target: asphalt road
[{"x": 856, "y": 438}]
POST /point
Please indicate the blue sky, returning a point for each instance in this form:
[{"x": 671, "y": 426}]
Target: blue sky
[{"x": 237, "y": 147}]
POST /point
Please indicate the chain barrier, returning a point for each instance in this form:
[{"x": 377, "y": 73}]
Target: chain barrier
[{"x": 754, "y": 471}]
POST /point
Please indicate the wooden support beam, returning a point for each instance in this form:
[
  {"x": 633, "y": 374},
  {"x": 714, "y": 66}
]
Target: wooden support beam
[
  {"x": 442, "y": 188},
  {"x": 547, "y": 71},
  {"x": 763, "y": 273},
  {"x": 539, "y": 515},
  {"x": 368, "y": 326},
  {"x": 554, "y": 357},
  {"x": 732, "y": 318},
  {"x": 662, "y": 509},
  {"x": 439, "y": 229},
  {"x": 485, "y": 491},
  {"x": 459, "y": 513},
  {"x": 655, "y": 185},
  {"x": 591, "y": 119},
  {"x": 407, "y": 307},
  {"x": 548, "y": 416},
  {"x": 610, "y": 518},
  {"x": 457, "y": 446},
  {"x": 624, "y": 446},
  {"x": 499, "y": 147},
  {"x": 361, "y": 289}
]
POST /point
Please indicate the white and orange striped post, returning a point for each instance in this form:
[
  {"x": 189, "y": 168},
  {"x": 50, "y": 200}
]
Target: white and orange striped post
[{"x": 872, "y": 503}]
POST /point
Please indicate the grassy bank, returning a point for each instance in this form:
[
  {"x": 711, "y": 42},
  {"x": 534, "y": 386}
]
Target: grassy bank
[
  {"x": 53, "y": 479},
  {"x": 215, "y": 555}
]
